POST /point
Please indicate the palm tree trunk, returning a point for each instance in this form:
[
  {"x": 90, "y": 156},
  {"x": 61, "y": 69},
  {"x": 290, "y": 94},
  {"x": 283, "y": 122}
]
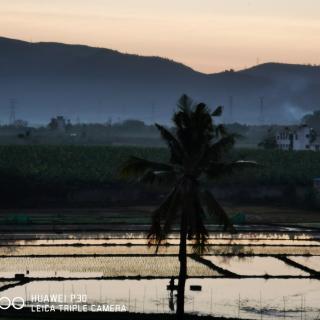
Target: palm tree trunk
[{"x": 183, "y": 268}]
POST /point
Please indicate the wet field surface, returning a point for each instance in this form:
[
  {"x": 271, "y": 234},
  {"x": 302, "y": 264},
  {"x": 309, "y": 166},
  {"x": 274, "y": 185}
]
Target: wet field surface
[
  {"x": 252, "y": 275},
  {"x": 238, "y": 298}
]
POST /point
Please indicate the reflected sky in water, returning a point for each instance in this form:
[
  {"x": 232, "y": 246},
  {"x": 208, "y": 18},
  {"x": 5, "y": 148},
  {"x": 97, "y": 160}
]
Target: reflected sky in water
[{"x": 247, "y": 298}]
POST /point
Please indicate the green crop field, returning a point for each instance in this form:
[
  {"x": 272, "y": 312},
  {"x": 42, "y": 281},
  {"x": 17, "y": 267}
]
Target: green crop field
[
  {"x": 279, "y": 167},
  {"x": 99, "y": 164},
  {"x": 94, "y": 164}
]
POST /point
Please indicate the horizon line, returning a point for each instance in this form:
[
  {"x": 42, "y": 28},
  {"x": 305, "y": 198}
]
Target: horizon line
[{"x": 158, "y": 56}]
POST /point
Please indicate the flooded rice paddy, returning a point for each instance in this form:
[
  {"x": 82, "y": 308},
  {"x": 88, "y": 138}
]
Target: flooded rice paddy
[
  {"x": 259, "y": 266},
  {"x": 313, "y": 262},
  {"x": 91, "y": 267},
  {"x": 240, "y": 298},
  {"x": 44, "y": 250},
  {"x": 249, "y": 276}
]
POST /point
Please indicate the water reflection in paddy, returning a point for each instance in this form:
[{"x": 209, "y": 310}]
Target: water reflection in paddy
[
  {"x": 172, "y": 241},
  {"x": 256, "y": 266},
  {"x": 15, "y": 250},
  {"x": 311, "y": 262},
  {"x": 243, "y": 298},
  {"x": 146, "y": 266},
  {"x": 92, "y": 267},
  {"x": 297, "y": 237}
]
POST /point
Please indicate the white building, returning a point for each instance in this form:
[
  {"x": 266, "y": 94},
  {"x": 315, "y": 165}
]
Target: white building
[{"x": 298, "y": 138}]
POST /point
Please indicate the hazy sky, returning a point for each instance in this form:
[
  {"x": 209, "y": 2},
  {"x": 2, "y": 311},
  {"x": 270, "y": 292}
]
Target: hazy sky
[{"x": 208, "y": 35}]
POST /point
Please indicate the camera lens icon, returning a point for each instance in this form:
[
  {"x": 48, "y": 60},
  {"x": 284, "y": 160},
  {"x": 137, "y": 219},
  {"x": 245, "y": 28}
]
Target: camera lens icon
[{"x": 16, "y": 303}]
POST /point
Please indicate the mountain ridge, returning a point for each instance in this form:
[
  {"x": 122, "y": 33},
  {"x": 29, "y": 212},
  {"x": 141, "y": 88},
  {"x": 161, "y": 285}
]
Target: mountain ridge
[{"x": 50, "y": 78}]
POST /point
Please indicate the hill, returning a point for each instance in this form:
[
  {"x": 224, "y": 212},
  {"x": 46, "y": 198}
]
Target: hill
[{"x": 95, "y": 84}]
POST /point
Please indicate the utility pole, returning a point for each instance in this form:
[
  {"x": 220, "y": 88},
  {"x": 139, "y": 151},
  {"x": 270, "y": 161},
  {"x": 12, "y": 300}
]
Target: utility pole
[
  {"x": 124, "y": 112},
  {"x": 258, "y": 61},
  {"x": 153, "y": 111},
  {"x": 12, "y": 116},
  {"x": 231, "y": 109},
  {"x": 261, "y": 115},
  {"x": 223, "y": 115}
]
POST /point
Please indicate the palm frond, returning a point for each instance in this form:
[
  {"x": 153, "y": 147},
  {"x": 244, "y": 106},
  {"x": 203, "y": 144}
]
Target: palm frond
[
  {"x": 244, "y": 164},
  {"x": 215, "y": 210},
  {"x": 193, "y": 213},
  {"x": 159, "y": 177},
  {"x": 198, "y": 233},
  {"x": 215, "y": 151},
  {"x": 136, "y": 167},
  {"x": 217, "y": 112},
  {"x": 197, "y": 230},
  {"x": 163, "y": 218},
  {"x": 176, "y": 151},
  {"x": 220, "y": 169},
  {"x": 194, "y": 130},
  {"x": 185, "y": 103},
  {"x": 172, "y": 213},
  {"x": 182, "y": 118},
  {"x": 199, "y": 246},
  {"x": 155, "y": 232}
]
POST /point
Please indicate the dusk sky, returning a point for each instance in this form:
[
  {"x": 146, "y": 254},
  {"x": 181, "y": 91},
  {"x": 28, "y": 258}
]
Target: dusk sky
[{"x": 208, "y": 35}]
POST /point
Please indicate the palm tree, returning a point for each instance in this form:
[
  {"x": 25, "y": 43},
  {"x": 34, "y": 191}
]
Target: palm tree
[{"x": 197, "y": 147}]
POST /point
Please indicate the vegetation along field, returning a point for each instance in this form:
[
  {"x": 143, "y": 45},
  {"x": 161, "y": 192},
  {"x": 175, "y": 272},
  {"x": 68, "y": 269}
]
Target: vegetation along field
[{"x": 57, "y": 172}]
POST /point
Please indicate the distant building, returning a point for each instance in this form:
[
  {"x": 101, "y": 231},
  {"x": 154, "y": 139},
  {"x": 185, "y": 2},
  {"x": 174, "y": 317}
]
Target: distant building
[
  {"x": 59, "y": 123},
  {"x": 298, "y": 138}
]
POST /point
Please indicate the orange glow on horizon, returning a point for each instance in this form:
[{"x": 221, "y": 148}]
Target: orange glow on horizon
[{"x": 207, "y": 35}]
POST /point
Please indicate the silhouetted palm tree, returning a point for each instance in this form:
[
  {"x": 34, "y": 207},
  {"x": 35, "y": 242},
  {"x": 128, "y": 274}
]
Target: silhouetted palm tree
[{"x": 197, "y": 147}]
